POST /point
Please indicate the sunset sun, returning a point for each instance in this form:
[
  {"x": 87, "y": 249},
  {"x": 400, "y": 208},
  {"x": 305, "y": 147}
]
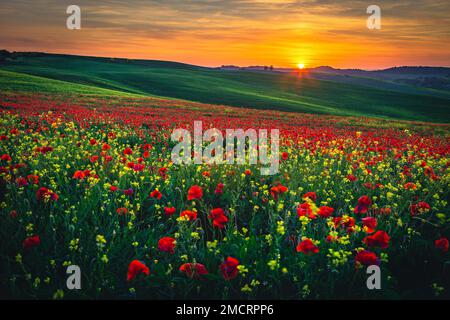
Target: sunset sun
[{"x": 301, "y": 65}]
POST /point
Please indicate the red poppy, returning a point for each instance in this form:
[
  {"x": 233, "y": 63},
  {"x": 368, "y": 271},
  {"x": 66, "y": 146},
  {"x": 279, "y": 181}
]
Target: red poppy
[
  {"x": 442, "y": 244},
  {"x": 156, "y": 194},
  {"x": 218, "y": 217},
  {"x": 136, "y": 268},
  {"x": 128, "y": 192},
  {"x": 378, "y": 239},
  {"x": 34, "y": 179},
  {"x": 192, "y": 215},
  {"x": 366, "y": 258},
  {"x": 79, "y": 175},
  {"x": 410, "y": 186},
  {"x": 30, "y": 242},
  {"x": 284, "y": 156},
  {"x": 248, "y": 172},
  {"x": 348, "y": 223},
  {"x": 106, "y": 147},
  {"x": 195, "y": 192},
  {"x": 193, "y": 270},
  {"x": 94, "y": 159},
  {"x": 6, "y": 157},
  {"x": 219, "y": 189},
  {"x": 325, "y": 211},
  {"x": 169, "y": 211},
  {"x": 364, "y": 203},
  {"x": 229, "y": 268},
  {"x": 122, "y": 211},
  {"x": 166, "y": 244},
  {"x": 277, "y": 190},
  {"x": 113, "y": 188},
  {"x": 307, "y": 247},
  {"x": 163, "y": 172},
  {"x": 127, "y": 151},
  {"x": 351, "y": 178},
  {"x": 92, "y": 142},
  {"x": 22, "y": 182},
  {"x": 419, "y": 208},
  {"x": 310, "y": 195},
  {"x": 304, "y": 209},
  {"x": 370, "y": 223},
  {"x": 44, "y": 193}
]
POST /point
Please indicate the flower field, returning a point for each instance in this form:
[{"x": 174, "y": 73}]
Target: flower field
[{"x": 88, "y": 181}]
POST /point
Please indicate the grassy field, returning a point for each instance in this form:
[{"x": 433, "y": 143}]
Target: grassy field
[{"x": 287, "y": 92}]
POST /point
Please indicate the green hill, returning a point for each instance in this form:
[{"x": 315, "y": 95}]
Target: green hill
[{"x": 287, "y": 92}]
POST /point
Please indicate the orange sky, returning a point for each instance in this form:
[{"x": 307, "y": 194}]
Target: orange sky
[{"x": 282, "y": 33}]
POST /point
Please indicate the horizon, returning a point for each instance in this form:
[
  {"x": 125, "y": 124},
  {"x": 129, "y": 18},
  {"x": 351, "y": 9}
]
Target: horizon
[
  {"x": 283, "y": 33},
  {"x": 226, "y": 65}
]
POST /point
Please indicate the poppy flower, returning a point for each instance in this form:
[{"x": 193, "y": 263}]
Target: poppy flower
[
  {"x": 167, "y": 244},
  {"x": 218, "y": 217},
  {"x": 419, "y": 208},
  {"x": 248, "y": 172},
  {"x": 128, "y": 192},
  {"x": 284, "y": 156},
  {"x": 378, "y": 239},
  {"x": 370, "y": 224},
  {"x": 410, "y": 186},
  {"x": 79, "y": 175},
  {"x": 156, "y": 194},
  {"x": 305, "y": 209},
  {"x": 113, "y": 188},
  {"x": 307, "y": 247},
  {"x": 136, "y": 268},
  {"x": 310, "y": 195},
  {"x": 346, "y": 222},
  {"x": 442, "y": 244},
  {"x": 193, "y": 270},
  {"x": 122, "y": 211},
  {"x": 32, "y": 178},
  {"x": 229, "y": 268},
  {"x": 277, "y": 190},
  {"x": 219, "y": 188},
  {"x": 6, "y": 157},
  {"x": 191, "y": 215},
  {"x": 106, "y": 147},
  {"x": 364, "y": 203},
  {"x": 44, "y": 194},
  {"x": 127, "y": 151},
  {"x": 195, "y": 192},
  {"x": 162, "y": 172},
  {"x": 21, "y": 182},
  {"x": 325, "y": 211},
  {"x": 31, "y": 242},
  {"x": 366, "y": 258},
  {"x": 169, "y": 211}
]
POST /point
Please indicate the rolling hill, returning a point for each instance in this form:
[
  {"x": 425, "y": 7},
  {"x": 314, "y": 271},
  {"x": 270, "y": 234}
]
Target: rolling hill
[{"x": 39, "y": 72}]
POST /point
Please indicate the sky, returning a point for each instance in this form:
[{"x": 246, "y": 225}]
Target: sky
[{"x": 282, "y": 33}]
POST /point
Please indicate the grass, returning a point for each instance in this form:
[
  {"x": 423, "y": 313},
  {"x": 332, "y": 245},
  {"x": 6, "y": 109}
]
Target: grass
[{"x": 286, "y": 92}]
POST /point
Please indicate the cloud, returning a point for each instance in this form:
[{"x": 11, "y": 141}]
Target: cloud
[{"x": 236, "y": 27}]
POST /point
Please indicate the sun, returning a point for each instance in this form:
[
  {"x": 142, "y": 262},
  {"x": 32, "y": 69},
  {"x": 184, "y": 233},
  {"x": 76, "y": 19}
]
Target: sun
[{"x": 301, "y": 65}]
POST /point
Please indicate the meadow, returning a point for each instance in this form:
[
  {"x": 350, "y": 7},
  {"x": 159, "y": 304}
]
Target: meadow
[
  {"x": 86, "y": 179},
  {"x": 291, "y": 92}
]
